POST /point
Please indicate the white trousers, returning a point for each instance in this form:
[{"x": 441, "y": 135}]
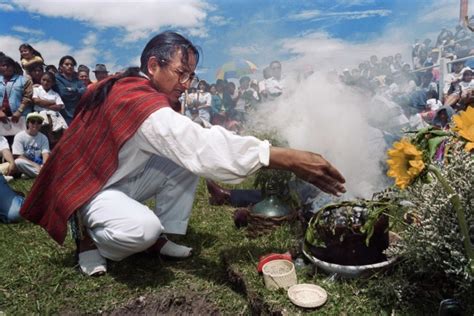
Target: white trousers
[{"x": 120, "y": 225}]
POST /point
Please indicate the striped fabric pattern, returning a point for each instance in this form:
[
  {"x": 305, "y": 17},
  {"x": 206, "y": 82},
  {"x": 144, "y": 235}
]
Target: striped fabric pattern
[{"x": 87, "y": 155}]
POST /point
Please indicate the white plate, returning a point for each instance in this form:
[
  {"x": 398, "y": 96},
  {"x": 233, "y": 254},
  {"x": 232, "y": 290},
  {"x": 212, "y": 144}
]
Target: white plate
[{"x": 307, "y": 295}]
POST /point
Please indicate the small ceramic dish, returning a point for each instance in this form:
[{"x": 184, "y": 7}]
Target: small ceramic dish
[{"x": 307, "y": 295}]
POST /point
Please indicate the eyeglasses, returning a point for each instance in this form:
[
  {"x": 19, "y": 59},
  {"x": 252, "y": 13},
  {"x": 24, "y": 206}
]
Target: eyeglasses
[
  {"x": 183, "y": 77},
  {"x": 32, "y": 121}
]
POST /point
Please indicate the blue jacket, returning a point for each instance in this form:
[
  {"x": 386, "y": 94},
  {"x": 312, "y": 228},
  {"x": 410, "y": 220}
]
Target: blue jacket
[
  {"x": 15, "y": 89},
  {"x": 70, "y": 92}
]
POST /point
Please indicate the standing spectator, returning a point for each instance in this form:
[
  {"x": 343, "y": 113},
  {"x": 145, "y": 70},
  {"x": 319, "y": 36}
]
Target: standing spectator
[
  {"x": 217, "y": 106},
  {"x": 31, "y": 148},
  {"x": 36, "y": 72},
  {"x": 69, "y": 87},
  {"x": 248, "y": 97},
  {"x": 100, "y": 72},
  {"x": 48, "y": 103},
  {"x": 83, "y": 73},
  {"x": 15, "y": 91},
  {"x": 262, "y": 89},
  {"x": 8, "y": 167},
  {"x": 203, "y": 101},
  {"x": 229, "y": 98},
  {"x": 29, "y": 56},
  {"x": 52, "y": 69}
]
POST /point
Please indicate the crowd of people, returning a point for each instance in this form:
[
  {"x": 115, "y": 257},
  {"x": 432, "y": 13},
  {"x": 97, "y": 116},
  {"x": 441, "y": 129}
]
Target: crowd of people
[
  {"x": 222, "y": 103},
  {"x": 425, "y": 94}
]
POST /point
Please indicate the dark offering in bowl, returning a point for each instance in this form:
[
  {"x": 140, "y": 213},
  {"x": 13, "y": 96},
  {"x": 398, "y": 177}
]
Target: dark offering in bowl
[{"x": 338, "y": 233}]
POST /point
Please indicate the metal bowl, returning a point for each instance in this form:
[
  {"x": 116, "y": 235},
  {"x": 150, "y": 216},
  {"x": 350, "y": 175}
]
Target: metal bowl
[{"x": 352, "y": 271}]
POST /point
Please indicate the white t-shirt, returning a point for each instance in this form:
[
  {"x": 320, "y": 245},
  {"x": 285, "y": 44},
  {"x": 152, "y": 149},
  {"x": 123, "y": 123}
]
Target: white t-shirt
[
  {"x": 51, "y": 95},
  {"x": 3, "y": 144},
  {"x": 273, "y": 86},
  {"x": 32, "y": 147}
]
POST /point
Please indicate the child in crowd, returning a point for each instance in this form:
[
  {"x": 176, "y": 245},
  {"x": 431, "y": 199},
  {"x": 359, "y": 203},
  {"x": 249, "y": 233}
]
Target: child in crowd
[
  {"x": 31, "y": 148},
  {"x": 29, "y": 56},
  {"x": 48, "y": 103}
]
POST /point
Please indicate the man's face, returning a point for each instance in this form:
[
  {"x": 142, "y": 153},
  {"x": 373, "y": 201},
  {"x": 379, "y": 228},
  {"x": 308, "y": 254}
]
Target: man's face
[
  {"x": 166, "y": 78},
  {"x": 101, "y": 75}
]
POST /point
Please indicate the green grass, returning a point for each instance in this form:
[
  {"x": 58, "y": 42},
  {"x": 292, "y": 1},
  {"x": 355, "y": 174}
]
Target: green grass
[{"x": 39, "y": 277}]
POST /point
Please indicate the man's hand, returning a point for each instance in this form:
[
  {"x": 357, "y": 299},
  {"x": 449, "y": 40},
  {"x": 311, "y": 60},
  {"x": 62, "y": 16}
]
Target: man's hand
[
  {"x": 16, "y": 117},
  {"x": 310, "y": 167}
]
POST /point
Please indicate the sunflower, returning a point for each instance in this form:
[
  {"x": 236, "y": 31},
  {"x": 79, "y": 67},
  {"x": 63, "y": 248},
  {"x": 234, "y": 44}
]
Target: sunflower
[
  {"x": 465, "y": 126},
  {"x": 405, "y": 163}
]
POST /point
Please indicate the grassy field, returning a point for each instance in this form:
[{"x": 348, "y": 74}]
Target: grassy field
[{"x": 39, "y": 277}]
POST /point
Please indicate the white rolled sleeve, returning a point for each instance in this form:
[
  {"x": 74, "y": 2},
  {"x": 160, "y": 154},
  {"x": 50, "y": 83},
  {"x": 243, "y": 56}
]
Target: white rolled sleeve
[{"x": 213, "y": 153}]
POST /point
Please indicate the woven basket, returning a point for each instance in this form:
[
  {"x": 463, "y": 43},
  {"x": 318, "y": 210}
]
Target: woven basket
[
  {"x": 259, "y": 225},
  {"x": 279, "y": 274}
]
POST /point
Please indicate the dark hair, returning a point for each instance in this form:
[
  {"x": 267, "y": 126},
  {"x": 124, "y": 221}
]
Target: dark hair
[
  {"x": 50, "y": 75},
  {"x": 31, "y": 49},
  {"x": 432, "y": 95},
  {"x": 53, "y": 67},
  {"x": 6, "y": 60},
  {"x": 63, "y": 59},
  {"x": 162, "y": 46},
  {"x": 34, "y": 66},
  {"x": 206, "y": 85},
  {"x": 243, "y": 79}
]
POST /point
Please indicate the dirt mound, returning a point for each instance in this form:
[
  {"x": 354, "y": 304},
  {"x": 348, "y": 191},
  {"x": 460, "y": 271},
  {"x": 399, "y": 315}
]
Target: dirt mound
[{"x": 168, "y": 303}]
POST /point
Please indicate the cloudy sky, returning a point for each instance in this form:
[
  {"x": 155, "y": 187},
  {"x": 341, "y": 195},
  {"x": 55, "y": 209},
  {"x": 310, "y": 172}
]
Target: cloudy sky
[{"x": 114, "y": 32}]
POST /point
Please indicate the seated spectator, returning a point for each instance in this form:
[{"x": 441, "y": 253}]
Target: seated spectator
[
  {"x": 461, "y": 94},
  {"x": 8, "y": 167},
  {"x": 29, "y": 56},
  {"x": 48, "y": 103},
  {"x": 15, "y": 92},
  {"x": 100, "y": 72},
  {"x": 31, "y": 148},
  {"x": 10, "y": 203},
  {"x": 442, "y": 117},
  {"x": 83, "y": 74},
  {"x": 431, "y": 108}
]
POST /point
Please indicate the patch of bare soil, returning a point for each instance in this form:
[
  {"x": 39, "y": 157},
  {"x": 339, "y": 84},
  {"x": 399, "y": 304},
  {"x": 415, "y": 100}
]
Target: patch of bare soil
[{"x": 168, "y": 303}]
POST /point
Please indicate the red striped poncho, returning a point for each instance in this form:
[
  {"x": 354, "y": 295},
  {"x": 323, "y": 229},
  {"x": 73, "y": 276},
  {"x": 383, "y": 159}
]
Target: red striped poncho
[{"x": 87, "y": 154}]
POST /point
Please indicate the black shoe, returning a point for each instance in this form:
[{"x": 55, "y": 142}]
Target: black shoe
[{"x": 218, "y": 195}]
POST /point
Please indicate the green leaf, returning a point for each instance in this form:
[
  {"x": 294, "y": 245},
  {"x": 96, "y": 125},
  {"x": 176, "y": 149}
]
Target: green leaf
[{"x": 433, "y": 144}]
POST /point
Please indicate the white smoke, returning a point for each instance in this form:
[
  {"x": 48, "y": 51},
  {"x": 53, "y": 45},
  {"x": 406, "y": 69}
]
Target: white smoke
[{"x": 323, "y": 115}]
